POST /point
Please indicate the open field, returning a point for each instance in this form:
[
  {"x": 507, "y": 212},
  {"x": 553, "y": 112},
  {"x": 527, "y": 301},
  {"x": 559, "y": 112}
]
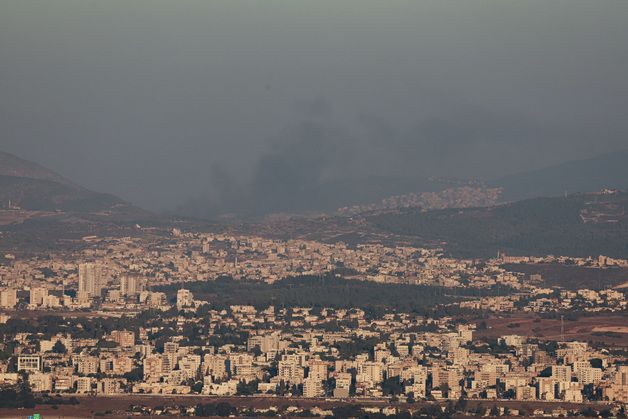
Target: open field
[
  {"x": 116, "y": 406},
  {"x": 573, "y": 277},
  {"x": 609, "y": 329}
]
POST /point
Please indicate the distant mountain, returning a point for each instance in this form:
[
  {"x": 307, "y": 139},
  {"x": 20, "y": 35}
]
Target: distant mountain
[
  {"x": 578, "y": 225},
  {"x": 458, "y": 197},
  {"x": 11, "y": 165},
  {"x": 604, "y": 171},
  {"x": 44, "y": 195},
  {"x": 28, "y": 186},
  {"x": 41, "y": 211},
  {"x": 330, "y": 195},
  {"x": 316, "y": 197}
]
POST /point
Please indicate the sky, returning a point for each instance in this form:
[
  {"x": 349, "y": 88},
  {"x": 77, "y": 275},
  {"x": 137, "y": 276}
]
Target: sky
[{"x": 169, "y": 102}]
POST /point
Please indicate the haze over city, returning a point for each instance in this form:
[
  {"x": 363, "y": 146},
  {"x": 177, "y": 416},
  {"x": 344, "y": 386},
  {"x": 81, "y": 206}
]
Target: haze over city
[
  {"x": 347, "y": 209},
  {"x": 162, "y": 102}
]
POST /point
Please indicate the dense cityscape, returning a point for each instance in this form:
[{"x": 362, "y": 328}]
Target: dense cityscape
[
  {"x": 355, "y": 209},
  {"x": 117, "y": 318}
]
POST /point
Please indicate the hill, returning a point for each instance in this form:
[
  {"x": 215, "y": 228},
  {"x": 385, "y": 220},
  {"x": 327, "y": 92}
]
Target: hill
[
  {"x": 41, "y": 210},
  {"x": 313, "y": 197},
  {"x": 604, "y": 171},
  {"x": 577, "y": 225},
  {"x": 11, "y": 165},
  {"x": 28, "y": 186},
  {"x": 45, "y": 195}
]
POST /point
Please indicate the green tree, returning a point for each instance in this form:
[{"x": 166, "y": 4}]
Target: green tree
[{"x": 59, "y": 348}]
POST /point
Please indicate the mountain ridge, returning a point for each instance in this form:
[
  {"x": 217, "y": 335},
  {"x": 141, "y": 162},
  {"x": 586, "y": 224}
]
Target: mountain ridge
[
  {"x": 577, "y": 225},
  {"x": 29, "y": 186},
  {"x": 14, "y": 166},
  {"x": 608, "y": 170}
]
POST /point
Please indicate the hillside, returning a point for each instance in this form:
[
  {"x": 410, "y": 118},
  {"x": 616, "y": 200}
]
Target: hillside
[
  {"x": 604, "y": 171},
  {"x": 314, "y": 197},
  {"x": 459, "y": 197},
  {"x": 11, "y": 165},
  {"x": 28, "y": 186},
  {"x": 576, "y": 225},
  {"x": 44, "y": 195},
  {"x": 41, "y": 210}
]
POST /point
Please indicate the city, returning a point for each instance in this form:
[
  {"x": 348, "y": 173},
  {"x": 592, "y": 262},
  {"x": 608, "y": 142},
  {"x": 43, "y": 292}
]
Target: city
[
  {"x": 118, "y": 320},
  {"x": 354, "y": 209}
]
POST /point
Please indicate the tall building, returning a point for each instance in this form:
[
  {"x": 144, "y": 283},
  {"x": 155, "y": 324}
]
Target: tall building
[
  {"x": 561, "y": 372},
  {"x": 152, "y": 368},
  {"x": 171, "y": 348},
  {"x": 38, "y": 296},
  {"x": 131, "y": 285},
  {"x": 312, "y": 388},
  {"x": 317, "y": 370},
  {"x": 215, "y": 366},
  {"x": 343, "y": 385},
  {"x": 618, "y": 390},
  {"x": 589, "y": 375},
  {"x": 90, "y": 279},
  {"x": 8, "y": 298},
  {"x": 290, "y": 370}
]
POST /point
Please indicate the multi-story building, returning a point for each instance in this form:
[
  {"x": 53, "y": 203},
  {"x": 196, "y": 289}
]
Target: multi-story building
[
  {"x": 38, "y": 296},
  {"x": 372, "y": 370},
  {"x": 215, "y": 366},
  {"x": 318, "y": 370},
  {"x": 343, "y": 385},
  {"x": 84, "y": 385},
  {"x": 90, "y": 279},
  {"x": 561, "y": 372},
  {"x": 131, "y": 285},
  {"x": 8, "y": 298},
  {"x": 123, "y": 338},
  {"x": 266, "y": 342},
  {"x": 152, "y": 368},
  {"x": 290, "y": 372},
  {"x": 108, "y": 386},
  {"x": 40, "y": 382},
  {"x": 589, "y": 375},
  {"x": 28, "y": 363},
  {"x": 87, "y": 365},
  {"x": 546, "y": 388},
  {"x": 313, "y": 387}
]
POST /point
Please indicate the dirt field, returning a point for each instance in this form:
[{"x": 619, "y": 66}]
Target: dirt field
[{"x": 604, "y": 328}]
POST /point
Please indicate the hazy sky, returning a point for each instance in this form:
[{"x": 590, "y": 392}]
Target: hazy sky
[{"x": 164, "y": 101}]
